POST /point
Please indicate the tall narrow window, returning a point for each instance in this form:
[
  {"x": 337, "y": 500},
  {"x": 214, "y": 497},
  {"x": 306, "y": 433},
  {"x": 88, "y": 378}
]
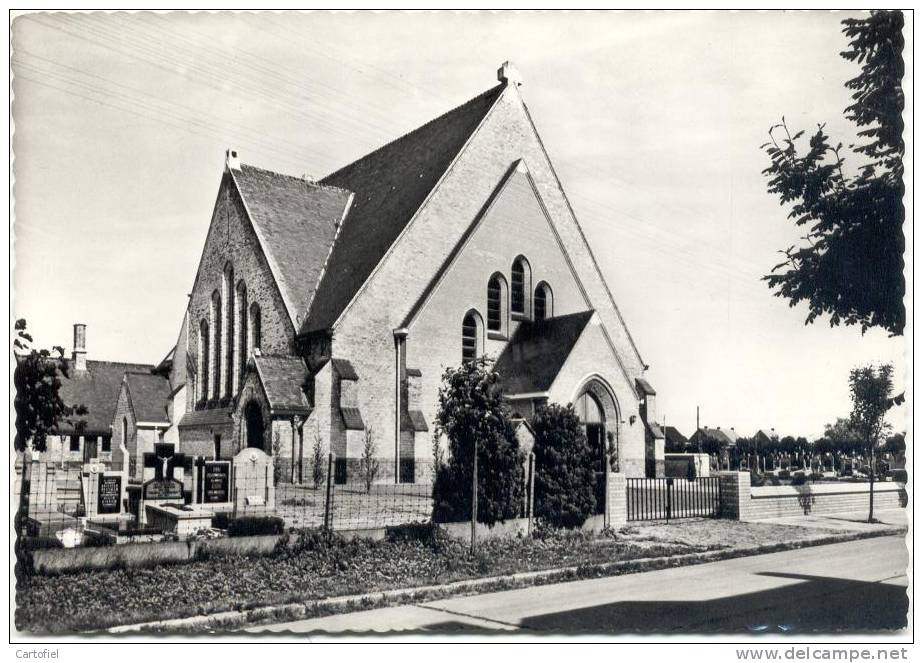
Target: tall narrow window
[
  {"x": 241, "y": 313},
  {"x": 543, "y": 301},
  {"x": 228, "y": 342},
  {"x": 75, "y": 443},
  {"x": 106, "y": 443},
  {"x": 125, "y": 431},
  {"x": 497, "y": 304},
  {"x": 471, "y": 336},
  {"x": 214, "y": 378},
  {"x": 203, "y": 361},
  {"x": 255, "y": 327},
  {"x": 520, "y": 286}
]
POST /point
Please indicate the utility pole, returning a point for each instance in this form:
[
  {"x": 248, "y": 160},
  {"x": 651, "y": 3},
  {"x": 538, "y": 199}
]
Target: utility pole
[{"x": 698, "y": 431}]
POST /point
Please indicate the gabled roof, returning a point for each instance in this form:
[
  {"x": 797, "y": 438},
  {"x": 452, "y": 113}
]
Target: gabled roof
[
  {"x": 282, "y": 379},
  {"x": 770, "y": 434},
  {"x": 722, "y": 435},
  {"x": 97, "y": 388},
  {"x": 148, "y": 394},
  {"x": 390, "y": 185},
  {"x": 675, "y": 439},
  {"x": 296, "y": 222},
  {"x": 534, "y": 356}
]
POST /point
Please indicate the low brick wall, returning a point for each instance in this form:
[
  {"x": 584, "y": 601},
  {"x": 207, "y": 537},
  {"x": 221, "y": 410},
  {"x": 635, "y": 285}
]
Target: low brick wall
[{"x": 740, "y": 501}]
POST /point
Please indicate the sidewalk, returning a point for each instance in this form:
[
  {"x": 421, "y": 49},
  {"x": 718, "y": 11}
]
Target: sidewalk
[{"x": 850, "y": 521}]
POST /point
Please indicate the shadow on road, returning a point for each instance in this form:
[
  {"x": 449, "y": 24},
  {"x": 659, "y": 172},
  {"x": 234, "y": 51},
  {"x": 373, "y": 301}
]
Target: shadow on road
[{"x": 815, "y": 604}]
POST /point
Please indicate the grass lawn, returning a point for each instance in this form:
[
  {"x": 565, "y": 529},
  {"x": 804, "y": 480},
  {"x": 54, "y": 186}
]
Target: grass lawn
[{"x": 312, "y": 568}]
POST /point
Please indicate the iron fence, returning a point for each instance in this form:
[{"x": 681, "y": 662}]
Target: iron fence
[{"x": 666, "y": 499}]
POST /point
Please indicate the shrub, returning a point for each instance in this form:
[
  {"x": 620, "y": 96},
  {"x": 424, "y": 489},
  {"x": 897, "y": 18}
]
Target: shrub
[
  {"x": 898, "y": 475},
  {"x": 473, "y": 415},
  {"x": 799, "y": 478},
  {"x": 785, "y": 474},
  {"x": 371, "y": 467},
  {"x": 255, "y": 525},
  {"x": 565, "y": 482},
  {"x": 757, "y": 479}
]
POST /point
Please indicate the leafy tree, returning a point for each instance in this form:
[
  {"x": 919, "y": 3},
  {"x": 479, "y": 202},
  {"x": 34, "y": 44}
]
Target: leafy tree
[
  {"x": 473, "y": 416},
  {"x": 371, "y": 466},
  {"x": 850, "y": 264},
  {"x": 40, "y": 410},
  {"x": 870, "y": 390},
  {"x": 896, "y": 444},
  {"x": 564, "y": 474}
]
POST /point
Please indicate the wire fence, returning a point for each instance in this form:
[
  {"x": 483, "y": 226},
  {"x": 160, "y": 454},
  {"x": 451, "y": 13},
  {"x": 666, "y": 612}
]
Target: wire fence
[{"x": 197, "y": 497}]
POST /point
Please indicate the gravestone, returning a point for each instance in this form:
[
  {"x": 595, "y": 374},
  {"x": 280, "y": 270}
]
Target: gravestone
[
  {"x": 163, "y": 487},
  {"x": 254, "y": 484},
  {"x": 214, "y": 484},
  {"x": 104, "y": 492}
]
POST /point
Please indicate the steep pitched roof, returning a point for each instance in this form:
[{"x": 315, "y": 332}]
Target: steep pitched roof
[
  {"x": 534, "y": 356},
  {"x": 675, "y": 439},
  {"x": 721, "y": 435},
  {"x": 282, "y": 379},
  {"x": 148, "y": 394},
  {"x": 296, "y": 222},
  {"x": 98, "y": 389},
  {"x": 389, "y": 185}
]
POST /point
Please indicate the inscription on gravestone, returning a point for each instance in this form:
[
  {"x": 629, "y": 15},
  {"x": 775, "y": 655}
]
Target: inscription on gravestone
[
  {"x": 109, "y": 497},
  {"x": 217, "y": 482}
]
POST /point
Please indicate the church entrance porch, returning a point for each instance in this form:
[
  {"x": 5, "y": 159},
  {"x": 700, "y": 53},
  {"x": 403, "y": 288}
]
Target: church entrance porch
[{"x": 255, "y": 428}]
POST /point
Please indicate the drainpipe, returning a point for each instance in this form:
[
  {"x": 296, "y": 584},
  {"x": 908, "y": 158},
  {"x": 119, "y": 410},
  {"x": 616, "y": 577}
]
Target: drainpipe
[{"x": 400, "y": 362}]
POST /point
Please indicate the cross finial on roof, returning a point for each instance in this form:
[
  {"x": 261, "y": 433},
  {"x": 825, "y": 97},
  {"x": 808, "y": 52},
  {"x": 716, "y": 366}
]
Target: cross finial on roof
[{"x": 509, "y": 74}]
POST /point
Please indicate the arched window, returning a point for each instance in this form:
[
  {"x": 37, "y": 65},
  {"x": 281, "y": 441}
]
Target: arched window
[
  {"x": 255, "y": 327},
  {"x": 204, "y": 357},
  {"x": 544, "y": 301},
  {"x": 125, "y": 431},
  {"x": 472, "y": 336},
  {"x": 240, "y": 302},
  {"x": 521, "y": 287},
  {"x": 214, "y": 376},
  {"x": 228, "y": 341},
  {"x": 497, "y": 304}
]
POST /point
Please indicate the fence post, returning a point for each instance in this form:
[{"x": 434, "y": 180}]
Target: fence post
[
  {"x": 669, "y": 497},
  {"x": 531, "y": 485},
  {"x": 328, "y": 500},
  {"x": 474, "y": 500}
]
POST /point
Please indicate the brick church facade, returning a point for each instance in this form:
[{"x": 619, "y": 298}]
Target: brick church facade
[{"x": 328, "y": 310}]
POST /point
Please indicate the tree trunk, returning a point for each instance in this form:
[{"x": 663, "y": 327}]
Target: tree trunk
[{"x": 871, "y": 487}]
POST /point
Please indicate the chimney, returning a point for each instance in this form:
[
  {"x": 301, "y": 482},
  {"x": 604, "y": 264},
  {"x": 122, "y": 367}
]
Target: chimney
[
  {"x": 80, "y": 347},
  {"x": 509, "y": 74},
  {"x": 232, "y": 160}
]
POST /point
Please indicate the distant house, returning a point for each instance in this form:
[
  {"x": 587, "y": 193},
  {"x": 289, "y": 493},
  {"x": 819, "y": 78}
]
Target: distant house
[
  {"x": 764, "y": 436},
  {"x": 95, "y": 385},
  {"x": 676, "y": 442},
  {"x": 721, "y": 437}
]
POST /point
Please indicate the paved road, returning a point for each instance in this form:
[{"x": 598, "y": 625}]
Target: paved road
[{"x": 855, "y": 586}]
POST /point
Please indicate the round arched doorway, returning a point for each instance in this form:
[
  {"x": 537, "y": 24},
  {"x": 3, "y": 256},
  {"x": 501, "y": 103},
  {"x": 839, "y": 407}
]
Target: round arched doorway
[
  {"x": 593, "y": 418},
  {"x": 255, "y": 427},
  {"x": 598, "y": 411}
]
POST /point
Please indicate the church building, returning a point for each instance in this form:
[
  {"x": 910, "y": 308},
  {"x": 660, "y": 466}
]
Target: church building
[{"x": 328, "y": 310}]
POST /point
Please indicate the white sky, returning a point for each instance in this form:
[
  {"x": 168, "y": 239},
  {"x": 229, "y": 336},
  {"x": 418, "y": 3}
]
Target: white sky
[{"x": 653, "y": 121}]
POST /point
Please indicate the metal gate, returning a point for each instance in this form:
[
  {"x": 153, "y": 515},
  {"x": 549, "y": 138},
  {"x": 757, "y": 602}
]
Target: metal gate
[{"x": 666, "y": 499}]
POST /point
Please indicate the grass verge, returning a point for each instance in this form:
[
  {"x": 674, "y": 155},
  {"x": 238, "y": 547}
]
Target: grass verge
[{"x": 311, "y": 576}]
